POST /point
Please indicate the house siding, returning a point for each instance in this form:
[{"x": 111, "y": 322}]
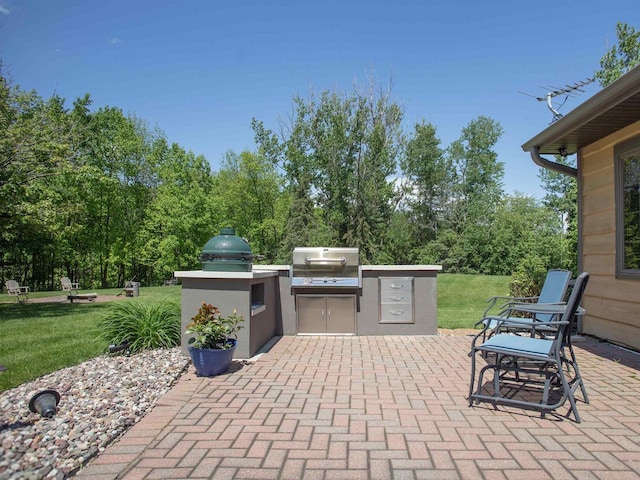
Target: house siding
[{"x": 612, "y": 304}]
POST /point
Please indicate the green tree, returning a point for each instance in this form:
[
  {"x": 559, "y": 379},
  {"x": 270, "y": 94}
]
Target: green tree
[
  {"x": 36, "y": 145},
  {"x": 117, "y": 179},
  {"x": 427, "y": 183},
  {"x": 477, "y": 193},
  {"x": 32, "y": 139},
  {"x": 524, "y": 228},
  {"x": 401, "y": 241},
  {"x": 304, "y": 220},
  {"x": 252, "y": 201},
  {"x": 621, "y": 57},
  {"x": 304, "y": 224},
  {"x": 183, "y": 214},
  {"x": 340, "y": 151}
]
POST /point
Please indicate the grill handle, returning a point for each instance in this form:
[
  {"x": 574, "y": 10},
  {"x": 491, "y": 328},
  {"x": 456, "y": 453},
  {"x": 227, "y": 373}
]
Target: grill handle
[{"x": 325, "y": 261}]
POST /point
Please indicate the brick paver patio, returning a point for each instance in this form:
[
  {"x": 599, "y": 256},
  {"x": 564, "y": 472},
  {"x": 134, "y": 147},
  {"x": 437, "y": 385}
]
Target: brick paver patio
[{"x": 387, "y": 407}]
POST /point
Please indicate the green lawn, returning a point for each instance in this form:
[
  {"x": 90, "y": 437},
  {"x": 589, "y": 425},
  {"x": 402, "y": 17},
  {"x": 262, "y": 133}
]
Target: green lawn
[
  {"x": 38, "y": 338},
  {"x": 462, "y": 298}
]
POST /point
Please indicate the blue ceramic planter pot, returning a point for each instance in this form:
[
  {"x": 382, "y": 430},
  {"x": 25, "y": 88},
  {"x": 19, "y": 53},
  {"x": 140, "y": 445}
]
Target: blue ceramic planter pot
[{"x": 211, "y": 362}]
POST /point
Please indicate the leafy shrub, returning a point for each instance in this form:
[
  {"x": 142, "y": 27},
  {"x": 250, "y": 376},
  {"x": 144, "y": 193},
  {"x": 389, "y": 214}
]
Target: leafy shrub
[
  {"x": 146, "y": 326},
  {"x": 528, "y": 278},
  {"x": 211, "y": 329}
]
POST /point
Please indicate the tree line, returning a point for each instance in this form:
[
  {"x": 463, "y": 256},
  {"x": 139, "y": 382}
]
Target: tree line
[{"x": 100, "y": 197}]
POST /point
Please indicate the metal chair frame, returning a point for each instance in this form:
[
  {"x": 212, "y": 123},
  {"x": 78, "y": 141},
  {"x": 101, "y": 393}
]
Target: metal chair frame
[
  {"x": 553, "y": 292},
  {"x": 527, "y": 361}
]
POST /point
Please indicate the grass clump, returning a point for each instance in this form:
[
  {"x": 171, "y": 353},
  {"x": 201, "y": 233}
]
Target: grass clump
[{"x": 146, "y": 326}]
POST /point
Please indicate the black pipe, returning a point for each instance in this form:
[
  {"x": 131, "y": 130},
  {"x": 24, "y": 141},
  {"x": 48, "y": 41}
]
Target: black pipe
[{"x": 119, "y": 348}]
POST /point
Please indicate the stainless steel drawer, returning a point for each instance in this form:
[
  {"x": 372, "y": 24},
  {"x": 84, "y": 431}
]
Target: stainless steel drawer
[
  {"x": 396, "y": 284},
  {"x": 400, "y": 313},
  {"x": 396, "y": 300},
  {"x": 395, "y": 297}
]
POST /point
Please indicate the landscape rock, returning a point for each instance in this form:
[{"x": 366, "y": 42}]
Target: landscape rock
[{"x": 100, "y": 400}]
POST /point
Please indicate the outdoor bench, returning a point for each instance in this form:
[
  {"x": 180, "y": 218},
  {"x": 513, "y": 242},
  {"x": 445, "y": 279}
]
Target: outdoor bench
[{"x": 82, "y": 296}]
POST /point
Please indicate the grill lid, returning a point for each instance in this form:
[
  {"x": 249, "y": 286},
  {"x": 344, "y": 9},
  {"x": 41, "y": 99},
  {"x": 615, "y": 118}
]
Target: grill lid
[
  {"x": 227, "y": 252},
  {"x": 325, "y": 267}
]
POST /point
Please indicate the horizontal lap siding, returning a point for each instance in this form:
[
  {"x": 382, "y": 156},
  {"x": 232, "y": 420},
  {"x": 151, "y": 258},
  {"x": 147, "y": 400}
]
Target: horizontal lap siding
[
  {"x": 613, "y": 305},
  {"x": 612, "y": 320},
  {"x": 599, "y": 244}
]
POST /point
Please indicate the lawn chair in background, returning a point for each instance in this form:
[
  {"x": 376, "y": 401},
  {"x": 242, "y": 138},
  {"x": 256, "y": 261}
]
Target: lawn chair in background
[
  {"x": 553, "y": 291},
  {"x": 526, "y": 369},
  {"x": 16, "y": 290},
  {"x": 68, "y": 285}
]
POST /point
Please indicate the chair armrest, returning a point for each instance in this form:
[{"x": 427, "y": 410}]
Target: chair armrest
[
  {"x": 24, "y": 289},
  {"x": 505, "y": 306},
  {"x": 525, "y": 322},
  {"x": 483, "y": 321},
  {"x": 548, "y": 308},
  {"x": 492, "y": 303},
  {"x": 510, "y": 299},
  {"x": 513, "y": 299},
  {"x": 512, "y": 321}
]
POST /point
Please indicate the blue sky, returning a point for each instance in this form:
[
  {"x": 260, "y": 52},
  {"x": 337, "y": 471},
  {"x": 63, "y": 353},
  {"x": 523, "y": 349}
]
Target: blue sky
[{"x": 201, "y": 69}]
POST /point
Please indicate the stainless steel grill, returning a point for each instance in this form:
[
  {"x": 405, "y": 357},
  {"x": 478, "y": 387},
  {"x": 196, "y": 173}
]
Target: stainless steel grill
[{"x": 323, "y": 267}]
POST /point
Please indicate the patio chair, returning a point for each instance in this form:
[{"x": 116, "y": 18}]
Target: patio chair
[
  {"x": 528, "y": 367},
  {"x": 553, "y": 291},
  {"x": 16, "y": 290},
  {"x": 68, "y": 285}
]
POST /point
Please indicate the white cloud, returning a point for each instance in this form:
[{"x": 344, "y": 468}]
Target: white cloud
[
  {"x": 4, "y": 10},
  {"x": 115, "y": 40}
]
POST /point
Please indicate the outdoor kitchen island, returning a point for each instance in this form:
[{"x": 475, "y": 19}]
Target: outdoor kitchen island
[
  {"x": 387, "y": 300},
  {"x": 251, "y": 294},
  {"x": 399, "y": 300}
]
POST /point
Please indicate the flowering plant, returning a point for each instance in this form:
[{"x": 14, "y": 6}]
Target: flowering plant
[{"x": 211, "y": 329}]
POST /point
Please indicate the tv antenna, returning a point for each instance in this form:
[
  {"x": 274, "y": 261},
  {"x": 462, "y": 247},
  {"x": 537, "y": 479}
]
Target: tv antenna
[{"x": 553, "y": 92}]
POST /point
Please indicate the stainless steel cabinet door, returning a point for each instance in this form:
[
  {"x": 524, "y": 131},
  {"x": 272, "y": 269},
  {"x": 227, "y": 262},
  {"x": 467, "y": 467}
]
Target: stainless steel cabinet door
[
  {"x": 311, "y": 314},
  {"x": 326, "y": 313},
  {"x": 341, "y": 314}
]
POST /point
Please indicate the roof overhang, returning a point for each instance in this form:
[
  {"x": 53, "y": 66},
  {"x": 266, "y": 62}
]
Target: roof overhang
[{"x": 610, "y": 110}]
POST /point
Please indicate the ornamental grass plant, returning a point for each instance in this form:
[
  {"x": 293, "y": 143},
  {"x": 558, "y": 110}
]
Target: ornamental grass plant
[{"x": 145, "y": 326}]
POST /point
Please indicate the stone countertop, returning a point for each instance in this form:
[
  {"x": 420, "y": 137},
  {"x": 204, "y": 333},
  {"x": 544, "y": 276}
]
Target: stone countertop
[
  {"x": 262, "y": 271},
  {"x": 429, "y": 268},
  {"x": 229, "y": 275},
  {"x": 408, "y": 268}
]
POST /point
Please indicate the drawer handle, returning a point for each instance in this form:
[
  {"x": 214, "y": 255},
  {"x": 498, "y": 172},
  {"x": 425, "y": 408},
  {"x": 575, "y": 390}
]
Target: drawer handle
[
  {"x": 396, "y": 312},
  {"x": 396, "y": 298},
  {"x": 396, "y": 286}
]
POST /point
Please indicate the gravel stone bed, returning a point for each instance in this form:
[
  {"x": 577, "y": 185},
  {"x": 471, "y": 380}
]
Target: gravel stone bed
[{"x": 100, "y": 399}]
